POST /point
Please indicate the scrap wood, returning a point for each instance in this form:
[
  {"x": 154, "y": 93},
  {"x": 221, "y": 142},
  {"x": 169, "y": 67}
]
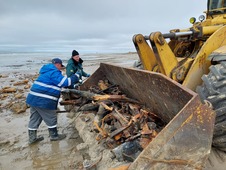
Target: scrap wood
[
  {"x": 96, "y": 121},
  {"x": 106, "y": 106},
  {"x": 27, "y": 86},
  {"x": 118, "y": 136},
  {"x": 4, "y": 95},
  {"x": 116, "y": 132},
  {"x": 105, "y": 90},
  {"x": 20, "y": 82},
  {"x": 18, "y": 107},
  {"x": 86, "y": 94},
  {"x": 93, "y": 89},
  {"x": 154, "y": 133},
  {"x": 89, "y": 107},
  {"x": 8, "y": 90},
  {"x": 146, "y": 130},
  {"x": 122, "y": 98},
  {"x": 74, "y": 96},
  {"x": 99, "y": 115},
  {"x": 122, "y": 121},
  {"x": 133, "y": 137},
  {"x": 102, "y": 132},
  {"x": 70, "y": 102},
  {"x": 8, "y": 105},
  {"x": 98, "y": 97},
  {"x": 119, "y": 117},
  {"x": 99, "y": 118},
  {"x": 103, "y": 120},
  {"x": 110, "y": 143},
  {"x": 17, "y": 96},
  {"x": 150, "y": 114},
  {"x": 102, "y": 85},
  {"x": 6, "y": 87},
  {"x": 136, "y": 117},
  {"x": 144, "y": 112},
  {"x": 116, "y": 124},
  {"x": 134, "y": 109}
]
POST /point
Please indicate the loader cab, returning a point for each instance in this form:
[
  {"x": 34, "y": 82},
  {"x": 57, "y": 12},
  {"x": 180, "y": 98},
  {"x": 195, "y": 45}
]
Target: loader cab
[{"x": 216, "y": 7}]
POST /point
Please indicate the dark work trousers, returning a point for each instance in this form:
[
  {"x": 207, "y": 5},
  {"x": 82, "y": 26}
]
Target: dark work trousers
[{"x": 38, "y": 114}]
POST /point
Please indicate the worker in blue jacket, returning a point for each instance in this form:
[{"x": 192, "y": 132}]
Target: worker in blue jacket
[{"x": 43, "y": 99}]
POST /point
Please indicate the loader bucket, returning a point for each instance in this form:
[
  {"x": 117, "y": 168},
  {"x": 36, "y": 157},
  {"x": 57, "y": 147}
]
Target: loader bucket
[{"x": 185, "y": 142}]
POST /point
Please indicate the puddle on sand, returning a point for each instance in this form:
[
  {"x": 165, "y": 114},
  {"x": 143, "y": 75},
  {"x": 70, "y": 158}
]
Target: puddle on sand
[
  {"x": 15, "y": 153},
  {"x": 56, "y": 154}
]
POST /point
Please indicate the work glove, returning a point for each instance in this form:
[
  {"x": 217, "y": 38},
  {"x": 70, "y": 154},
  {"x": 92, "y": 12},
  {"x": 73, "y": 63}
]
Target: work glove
[
  {"x": 78, "y": 74},
  {"x": 80, "y": 81}
]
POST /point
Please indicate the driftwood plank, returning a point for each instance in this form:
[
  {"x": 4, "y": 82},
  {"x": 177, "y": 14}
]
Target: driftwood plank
[{"x": 98, "y": 97}]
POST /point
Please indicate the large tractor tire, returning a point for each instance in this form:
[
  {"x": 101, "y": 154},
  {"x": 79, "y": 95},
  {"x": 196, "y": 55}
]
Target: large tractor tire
[{"x": 213, "y": 90}]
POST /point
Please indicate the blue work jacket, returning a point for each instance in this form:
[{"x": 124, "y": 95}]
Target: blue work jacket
[{"x": 45, "y": 92}]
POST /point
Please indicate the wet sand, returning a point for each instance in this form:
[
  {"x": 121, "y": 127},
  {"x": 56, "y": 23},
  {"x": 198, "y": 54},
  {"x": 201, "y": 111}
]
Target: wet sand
[{"x": 15, "y": 153}]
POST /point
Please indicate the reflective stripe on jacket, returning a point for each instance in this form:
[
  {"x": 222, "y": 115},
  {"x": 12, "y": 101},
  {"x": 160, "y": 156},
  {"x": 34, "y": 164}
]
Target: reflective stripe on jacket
[{"x": 45, "y": 91}]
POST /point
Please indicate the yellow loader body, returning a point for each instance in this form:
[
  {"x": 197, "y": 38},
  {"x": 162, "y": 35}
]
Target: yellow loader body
[
  {"x": 195, "y": 58},
  {"x": 186, "y": 70}
]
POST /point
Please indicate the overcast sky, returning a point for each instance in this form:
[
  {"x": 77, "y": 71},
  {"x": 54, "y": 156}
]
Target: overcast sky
[{"x": 89, "y": 25}]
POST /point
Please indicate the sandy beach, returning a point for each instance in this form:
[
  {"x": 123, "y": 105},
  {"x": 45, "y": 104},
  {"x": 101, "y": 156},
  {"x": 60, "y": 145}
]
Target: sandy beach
[{"x": 17, "y": 73}]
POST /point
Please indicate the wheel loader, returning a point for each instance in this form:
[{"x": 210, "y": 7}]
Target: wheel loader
[
  {"x": 194, "y": 57},
  {"x": 183, "y": 81}
]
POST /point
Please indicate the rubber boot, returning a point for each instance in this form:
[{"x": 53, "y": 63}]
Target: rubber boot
[
  {"x": 33, "y": 137},
  {"x": 54, "y": 136}
]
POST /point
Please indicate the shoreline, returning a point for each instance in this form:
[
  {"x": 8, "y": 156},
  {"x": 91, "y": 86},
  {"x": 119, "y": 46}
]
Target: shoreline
[
  {"x": 25, "y": 62},
  {"x": 15, "y": 151}
]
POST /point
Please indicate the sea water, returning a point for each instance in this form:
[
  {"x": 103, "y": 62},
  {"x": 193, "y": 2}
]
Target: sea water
[{"x": 32, "y": 60}]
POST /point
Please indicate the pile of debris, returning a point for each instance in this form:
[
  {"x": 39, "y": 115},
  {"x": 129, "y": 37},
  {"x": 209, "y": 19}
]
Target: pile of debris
[{"x": 122, "y": 124}]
